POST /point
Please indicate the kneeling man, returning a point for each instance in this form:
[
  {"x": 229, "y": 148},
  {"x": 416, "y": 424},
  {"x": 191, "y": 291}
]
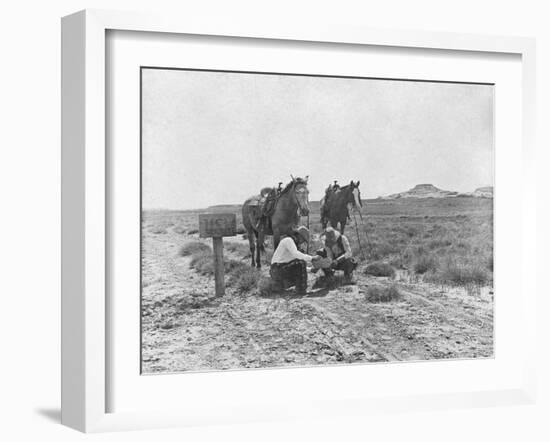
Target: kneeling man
[
  {"x": 288, "y": 264},
  {"x": 338, "y": 250}
]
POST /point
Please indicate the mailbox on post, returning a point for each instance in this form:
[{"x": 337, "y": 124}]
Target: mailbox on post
[{"x": 216, "y": 226}]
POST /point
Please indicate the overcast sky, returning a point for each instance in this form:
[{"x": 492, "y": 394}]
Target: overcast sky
[{"x": 217, "y": 138}]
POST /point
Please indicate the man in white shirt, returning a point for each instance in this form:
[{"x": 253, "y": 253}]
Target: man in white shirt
[
  {"x": 337, "y": 249},
  {"x": 288, "y": 264}
]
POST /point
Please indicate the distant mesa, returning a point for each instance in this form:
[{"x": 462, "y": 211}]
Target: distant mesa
[
  {"x": 431, "y": 191},
  {"x": 484, "y": 192},
  {"x": 224, "y": 208}
]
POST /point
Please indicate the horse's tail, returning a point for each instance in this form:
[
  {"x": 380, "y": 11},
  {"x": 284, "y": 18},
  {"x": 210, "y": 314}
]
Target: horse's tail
[{"x": 250, "y": 214}]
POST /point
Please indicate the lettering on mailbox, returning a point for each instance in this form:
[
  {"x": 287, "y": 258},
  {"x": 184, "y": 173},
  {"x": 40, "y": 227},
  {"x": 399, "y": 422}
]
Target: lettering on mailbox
[{"x": 217, "y": 225}]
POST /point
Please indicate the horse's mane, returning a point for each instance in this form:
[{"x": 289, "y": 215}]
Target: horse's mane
[
  {"x": 289, "y": 186},
  {"x": 342, "y": 188}
]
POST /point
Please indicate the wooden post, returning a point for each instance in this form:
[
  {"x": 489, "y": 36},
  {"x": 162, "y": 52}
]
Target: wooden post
[{"x": 218, "y": 265}]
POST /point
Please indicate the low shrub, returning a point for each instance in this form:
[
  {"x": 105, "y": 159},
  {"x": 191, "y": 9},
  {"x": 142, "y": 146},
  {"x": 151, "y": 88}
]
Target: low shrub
[
  {"x": 380, "y": 269},
  {"x": 412, "y": 231},
  {"x": 397, "y": 262},
  {"x": 238, "y": 248},
  {"x": 380, "y": 250},
  {"x": 379, "y": 293},
  {"x": 439, "y": 243},
  {"x": 235, "y": 267},
  {"x": 241, "y": 230},
  {"x": 265, "y": 286},
  {"x": 245, "y": 282},
  {"x": 464, "y": 274},
  {"x": 194, "y": 247},
  {"x": 179, "y": 229},
  {"x": 424, "y": 263},
  {"x": 192, "y": 231},
  {"x": 158, "y": 230},
  {"x": 202, "y": 262}
]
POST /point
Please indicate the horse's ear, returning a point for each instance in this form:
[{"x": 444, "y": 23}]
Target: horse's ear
[
  {"x": 307, "y": 178},
  {"x": 351, "y": 183},
  {"x": 357, "y": 183},
  {"x": 293, "y": 179}
]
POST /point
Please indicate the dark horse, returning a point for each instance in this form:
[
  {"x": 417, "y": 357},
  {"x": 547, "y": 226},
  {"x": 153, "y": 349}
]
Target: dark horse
[
  {"x": 290, "y": 205},
  {"x": 335, "y": 205}
]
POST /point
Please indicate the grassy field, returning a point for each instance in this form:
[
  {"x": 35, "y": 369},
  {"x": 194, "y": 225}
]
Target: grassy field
[{"x": 446, "y": 241}]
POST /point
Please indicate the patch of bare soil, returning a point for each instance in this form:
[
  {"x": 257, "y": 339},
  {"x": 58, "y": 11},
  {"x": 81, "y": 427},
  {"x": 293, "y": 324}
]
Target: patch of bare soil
[{"x": 185, "y": 327}]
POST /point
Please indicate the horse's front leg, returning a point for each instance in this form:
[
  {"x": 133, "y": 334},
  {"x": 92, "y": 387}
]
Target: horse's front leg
[{"x": 252, "y": 246}]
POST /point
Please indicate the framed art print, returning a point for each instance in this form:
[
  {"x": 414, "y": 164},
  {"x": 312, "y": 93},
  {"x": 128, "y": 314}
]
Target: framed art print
[{"x": 250, "y": 214}]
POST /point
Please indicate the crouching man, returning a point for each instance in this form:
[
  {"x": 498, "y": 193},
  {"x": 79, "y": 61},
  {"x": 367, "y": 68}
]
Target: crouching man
[
  {"x": 288, "y": 264},
  {"x": 337, "y": 249}
]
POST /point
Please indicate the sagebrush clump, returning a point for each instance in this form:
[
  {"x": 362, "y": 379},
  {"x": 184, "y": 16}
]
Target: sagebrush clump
[
  {"x": 194, "y": 247},
  {"x": 456, "y": 273},
  {"x": 424, "y": 263},
  {"x": 380, "y": 269},
  {"x": 247, "y": 281},
  {"x": 202, "y": 262},
  {"x": 379, "y": 293}
]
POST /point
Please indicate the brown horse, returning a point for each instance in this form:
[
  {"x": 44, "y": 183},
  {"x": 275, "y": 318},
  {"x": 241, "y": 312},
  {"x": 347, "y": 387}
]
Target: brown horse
[
  {"x": 335, "y": 205},
  {"x": 290, "y": 205}
]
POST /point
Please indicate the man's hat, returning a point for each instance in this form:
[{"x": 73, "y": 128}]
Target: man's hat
[
  {"x": 303, "y": 232},
  {"x": 332, "y": 233}
]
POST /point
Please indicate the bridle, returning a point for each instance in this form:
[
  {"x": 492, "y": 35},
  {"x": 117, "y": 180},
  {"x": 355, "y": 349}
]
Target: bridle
[
  {"x": 353, "y": 196},
  {"x": 303, "y": 188}
]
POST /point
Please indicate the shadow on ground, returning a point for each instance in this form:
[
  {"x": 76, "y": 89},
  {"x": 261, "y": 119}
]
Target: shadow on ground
[
  {"x": 291, "y": 294},
  {"x": 51, "y": 414}
]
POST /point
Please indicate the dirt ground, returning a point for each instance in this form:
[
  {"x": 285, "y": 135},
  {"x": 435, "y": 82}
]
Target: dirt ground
[{"x": 185, "y": 327}]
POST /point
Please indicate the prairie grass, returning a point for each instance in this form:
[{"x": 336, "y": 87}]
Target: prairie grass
[
  {"x": 380, "y": 269},
  {"x": 237, "y": 248},
  {"x": 379, "y": 293},
  {"x": 447, "y": 241},
  {"x": 235, "y": 267},
  {"x": 240, "y": 275},
  {"x": 158, "y": 230},
  {"x": 245, "y": 281},
  {"x": 194, "y": 247},
  {"x": 457, "y": 273},
  {"x": 424, "y": 263},
  {"x": 202, "y": 262},
  {"x": 179, "y": 229},
  {"x": 425, "y": 237}
]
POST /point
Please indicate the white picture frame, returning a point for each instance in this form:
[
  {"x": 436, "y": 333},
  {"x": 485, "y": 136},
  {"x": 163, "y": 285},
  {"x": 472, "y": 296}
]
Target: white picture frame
[{"x": 85, "y": 209}]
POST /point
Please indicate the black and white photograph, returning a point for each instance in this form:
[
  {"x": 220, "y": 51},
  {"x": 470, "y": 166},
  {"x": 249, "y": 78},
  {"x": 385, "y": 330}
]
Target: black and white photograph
[
  {"x": 300, "y": 220},
  {"x": 313, "y": 221}
]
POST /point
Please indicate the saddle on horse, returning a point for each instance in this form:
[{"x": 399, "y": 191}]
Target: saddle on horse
[{"x": 266, "y": 203}]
